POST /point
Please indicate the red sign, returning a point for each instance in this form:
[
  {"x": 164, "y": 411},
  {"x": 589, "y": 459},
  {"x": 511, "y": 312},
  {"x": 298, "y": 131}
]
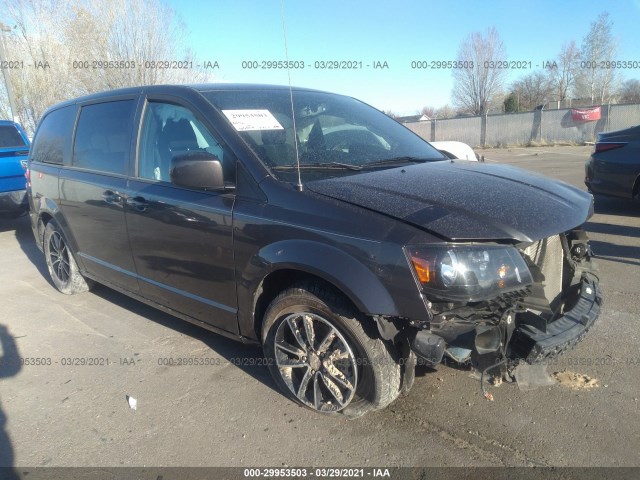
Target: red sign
[{"x": 586, "y": 115}]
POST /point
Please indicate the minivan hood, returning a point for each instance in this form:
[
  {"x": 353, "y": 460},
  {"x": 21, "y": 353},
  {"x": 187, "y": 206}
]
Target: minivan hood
[{"x": 466, "y": 201}]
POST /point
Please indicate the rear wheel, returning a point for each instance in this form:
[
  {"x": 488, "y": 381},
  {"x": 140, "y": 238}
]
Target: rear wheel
[
  {"x": 62, "y": 267},
  {"x": 324, "y": 357}
]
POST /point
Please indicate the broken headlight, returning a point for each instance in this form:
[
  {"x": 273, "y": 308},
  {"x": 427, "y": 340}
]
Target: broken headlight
[{"x": 468, "y": 273}]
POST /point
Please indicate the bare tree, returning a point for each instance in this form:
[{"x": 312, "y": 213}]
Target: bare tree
[
  {"x": 630, "y": 91},
  {"x": 429, "y": 111},
  {"x": 446, "y": 111},
  {"x": 477, "y": 86},
  {"x": 597, "y": 78},
  {"x": 531, "y": 90},
  {"x": 563, "y": 74},
  {"x": 75, "y": 48}
]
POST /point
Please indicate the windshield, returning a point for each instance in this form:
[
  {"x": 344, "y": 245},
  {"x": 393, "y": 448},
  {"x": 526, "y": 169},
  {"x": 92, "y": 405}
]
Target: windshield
[
  {"x": 336, "y": 135},
  {"x": 10, "y": 137}
]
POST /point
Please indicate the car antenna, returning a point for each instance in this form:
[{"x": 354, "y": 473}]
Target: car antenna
[{"x": 293, "y": 112}]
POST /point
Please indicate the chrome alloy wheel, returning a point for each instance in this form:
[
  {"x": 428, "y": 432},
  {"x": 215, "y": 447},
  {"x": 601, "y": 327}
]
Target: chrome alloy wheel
[
  {"x": 59, "y": 256},
  {"x": 315, "y": 362}
]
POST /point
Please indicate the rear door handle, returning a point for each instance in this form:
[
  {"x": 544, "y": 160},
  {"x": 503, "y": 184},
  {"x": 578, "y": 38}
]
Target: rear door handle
[
  {"x": 111, "y": 197},
  {"x": 138, "y": 203}
]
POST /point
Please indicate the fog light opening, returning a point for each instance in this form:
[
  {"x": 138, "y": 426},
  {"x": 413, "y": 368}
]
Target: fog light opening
[{"x": 488, "y": 339}]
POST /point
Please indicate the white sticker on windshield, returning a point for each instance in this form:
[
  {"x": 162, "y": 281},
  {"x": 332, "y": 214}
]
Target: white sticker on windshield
[{"x": 244, "y": 120}]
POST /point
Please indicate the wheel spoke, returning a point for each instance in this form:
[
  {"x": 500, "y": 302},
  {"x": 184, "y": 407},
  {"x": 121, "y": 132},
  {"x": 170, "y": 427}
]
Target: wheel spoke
[
  {"x": 327, "y": 341},
  {"x": 56, "y": 242},
  {"x": 337, "y": 376},
  {"x": 304, "y": 385},
  {"x": 287, "y": 347},
  {"x": 317, "y": 393},
  {"x": 291, "y": 363},
  {"x": 338, "y": 354},
  {"x": 296, "y": 333},
  {"x": 308, "y": 329},
  {"x": 333, "y": 389}
]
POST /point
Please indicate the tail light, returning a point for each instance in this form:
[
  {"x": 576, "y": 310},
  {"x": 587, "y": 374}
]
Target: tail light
[
  {"x": 27, "y": 175},
  {"x": 604, "y": 146}
]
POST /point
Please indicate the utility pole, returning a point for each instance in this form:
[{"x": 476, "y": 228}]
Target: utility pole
[{"x": 7, "y": 81}]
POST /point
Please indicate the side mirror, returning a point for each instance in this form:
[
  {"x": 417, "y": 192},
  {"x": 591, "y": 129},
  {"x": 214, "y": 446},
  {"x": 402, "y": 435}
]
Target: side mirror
[{"x": 200, "y": 170}]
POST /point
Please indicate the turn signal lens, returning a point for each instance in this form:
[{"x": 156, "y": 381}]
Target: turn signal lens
[
  {"x": 503, "y": 271},
  {"x": 424, "y": 269}
]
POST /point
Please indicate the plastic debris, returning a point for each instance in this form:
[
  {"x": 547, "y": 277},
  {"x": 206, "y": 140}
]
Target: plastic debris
[
  {"x": 460, "y": 355},
  {"x": 529, "y": 377},
  {"x": 133, "y": 403},
  {"x": 488, "y": 396}
]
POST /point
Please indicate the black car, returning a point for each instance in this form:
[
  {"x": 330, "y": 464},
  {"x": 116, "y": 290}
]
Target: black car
[
  {"x": 315, "y": 225},
  {"x": 614, "y": 166}
]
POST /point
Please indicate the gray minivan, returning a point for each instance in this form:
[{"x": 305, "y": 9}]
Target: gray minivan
[{"x": 316, "y": 226}]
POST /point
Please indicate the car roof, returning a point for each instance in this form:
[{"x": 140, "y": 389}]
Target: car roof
[
  {"x": 5, "y": 123},
  {"x": 176, "y": 89}
]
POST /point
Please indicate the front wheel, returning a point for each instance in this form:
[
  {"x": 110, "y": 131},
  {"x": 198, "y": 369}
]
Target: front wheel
[
  {"x": 326, "y": 358},
  {"x": 62, "y": 267}
]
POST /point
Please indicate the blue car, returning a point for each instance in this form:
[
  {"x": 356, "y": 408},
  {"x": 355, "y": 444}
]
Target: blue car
[{"x": 14, "y": 149}]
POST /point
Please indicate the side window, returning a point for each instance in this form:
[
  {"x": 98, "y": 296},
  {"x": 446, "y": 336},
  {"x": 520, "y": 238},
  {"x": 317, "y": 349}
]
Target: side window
[
  {"x": 169, "y": 130},
  {"x": 103, "y": 136},
  {"x": 52, "y": 143}
]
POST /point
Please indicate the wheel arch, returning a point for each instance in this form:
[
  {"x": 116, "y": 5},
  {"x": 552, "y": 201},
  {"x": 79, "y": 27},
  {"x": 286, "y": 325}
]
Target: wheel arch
[
  {"x": 47, "y": 210},
  {"x": 290, "y": 262}
]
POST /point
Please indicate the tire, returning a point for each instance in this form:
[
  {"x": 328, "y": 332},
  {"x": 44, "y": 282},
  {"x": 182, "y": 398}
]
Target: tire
[
  {"x": 327, "y": 359},
  {"x": 62, "y": 267}
]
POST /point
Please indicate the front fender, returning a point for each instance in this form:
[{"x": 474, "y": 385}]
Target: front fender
[{"x": 347, "y": 272}]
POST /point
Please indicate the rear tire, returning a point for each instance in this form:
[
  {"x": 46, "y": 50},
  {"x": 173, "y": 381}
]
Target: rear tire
[
  {"x": 62, "y": 267},
  {"x": 323, "y": 355}
]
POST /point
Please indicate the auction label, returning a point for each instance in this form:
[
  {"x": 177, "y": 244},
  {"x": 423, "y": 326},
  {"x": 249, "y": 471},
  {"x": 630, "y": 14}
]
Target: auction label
[{"x": 244, "y": 120}]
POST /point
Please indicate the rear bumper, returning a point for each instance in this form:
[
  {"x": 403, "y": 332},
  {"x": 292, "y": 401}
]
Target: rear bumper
[
  {"x": 14, "y": 202},
  {"x": 534, "y": 345}
]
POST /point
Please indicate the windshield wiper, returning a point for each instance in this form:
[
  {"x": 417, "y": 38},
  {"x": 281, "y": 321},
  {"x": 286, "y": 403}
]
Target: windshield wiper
[
  {"x": 397, "y": 161},
  {"x": 318, "y": 166}
]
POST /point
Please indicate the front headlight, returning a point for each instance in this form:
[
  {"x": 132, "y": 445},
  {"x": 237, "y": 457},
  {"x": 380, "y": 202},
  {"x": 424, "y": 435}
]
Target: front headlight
[{"x": 468, "y": 273}]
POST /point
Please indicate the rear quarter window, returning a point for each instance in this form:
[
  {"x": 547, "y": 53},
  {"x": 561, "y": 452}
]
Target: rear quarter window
[
  {"x": 103, "y": 137},
  {"x": 10, "y": 137},
  {"x": 52, "y": 142}
]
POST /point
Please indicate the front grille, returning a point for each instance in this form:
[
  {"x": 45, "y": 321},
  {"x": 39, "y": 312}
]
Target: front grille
[{"x": 548, "y": 255}]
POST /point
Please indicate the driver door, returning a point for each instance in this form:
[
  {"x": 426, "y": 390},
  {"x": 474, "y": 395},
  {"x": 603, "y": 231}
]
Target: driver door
[{"x": 181, "y": 238}]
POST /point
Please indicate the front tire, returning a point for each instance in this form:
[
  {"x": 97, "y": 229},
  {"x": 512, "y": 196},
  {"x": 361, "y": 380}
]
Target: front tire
[
  {"x": 324, "y": 356},
  {"x": 62, "y": 267}
]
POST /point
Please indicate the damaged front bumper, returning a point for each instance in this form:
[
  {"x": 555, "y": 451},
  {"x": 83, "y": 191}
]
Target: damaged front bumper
[
  {"x": 548, "y": 317},
  {"x": 535, "y": 344}
]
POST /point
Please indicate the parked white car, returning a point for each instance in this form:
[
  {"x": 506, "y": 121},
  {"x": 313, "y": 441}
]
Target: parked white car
[{"x": 458, "y": 150}]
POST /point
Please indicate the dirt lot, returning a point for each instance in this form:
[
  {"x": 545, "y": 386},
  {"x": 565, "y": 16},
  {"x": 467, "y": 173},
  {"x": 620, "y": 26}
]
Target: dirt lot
[{"x": 229, "y": 413}]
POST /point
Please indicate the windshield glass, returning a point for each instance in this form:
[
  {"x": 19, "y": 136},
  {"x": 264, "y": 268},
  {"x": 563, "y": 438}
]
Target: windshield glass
[
  {"x": 10, "y": 137},
  {"x": 336, "y": 135}
]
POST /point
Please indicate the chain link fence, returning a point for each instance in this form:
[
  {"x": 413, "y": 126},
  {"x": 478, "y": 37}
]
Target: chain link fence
[{"x": 527, "y": 128}]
